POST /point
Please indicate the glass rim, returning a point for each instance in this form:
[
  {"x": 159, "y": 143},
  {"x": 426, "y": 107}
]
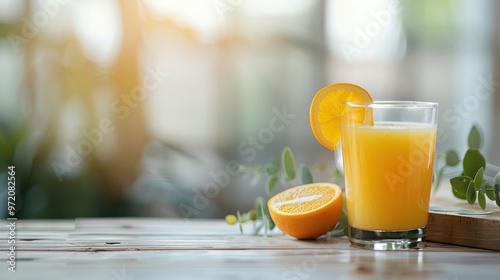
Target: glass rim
[{"x": 395, "y": 104}]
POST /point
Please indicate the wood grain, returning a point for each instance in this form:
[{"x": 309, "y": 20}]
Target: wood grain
[{"x": 473, "y": 231}]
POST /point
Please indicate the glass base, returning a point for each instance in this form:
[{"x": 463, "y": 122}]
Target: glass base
[{"x": 388, "y": 240}]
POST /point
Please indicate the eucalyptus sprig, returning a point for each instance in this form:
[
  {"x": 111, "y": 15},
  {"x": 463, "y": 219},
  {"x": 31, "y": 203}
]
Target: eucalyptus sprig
[
  {"x": 471, "y": 184},
  {"x": 285, "y": 172}
]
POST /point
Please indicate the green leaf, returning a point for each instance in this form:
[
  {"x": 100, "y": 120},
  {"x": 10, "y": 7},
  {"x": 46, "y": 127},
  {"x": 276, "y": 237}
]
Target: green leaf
[
  {"x": 264, "y": 218},
  {"x": 471, "y": 193},
  {"x": 488, "y": 185},
  {"x": 256, "y": 179},
  {"x": 252, "y": 215},
  {"x": 478, "y": 178},
  {"x": 258, "y": 169},
  {"x": 474, "y": 139},
  {"x": 459, "y": 186},
  {"x": 481, "y": 199},
  {"x": 473, "y": 160},
  {"x": 258, "y": 229},
  {"x": 259, "y": 208},
  {"x": 306, "y": 174},
  {"x": 496, "y": 185},
  {"x": 490, "y": 194},
  {"x": 288, "y": 161},
  {"x": 341, "y": 225},
  {"x": 452, "y": 158},
  {"x": 271, "y": 223},
  {"x": 497, "y": 194},
  {"x": 238, "y": 216},
  {"x": 272, "y": 167},
  {"x": 271, "y": 183},
  {"x": 259, "y": 202},
  {"x": 484, "y": 187}
]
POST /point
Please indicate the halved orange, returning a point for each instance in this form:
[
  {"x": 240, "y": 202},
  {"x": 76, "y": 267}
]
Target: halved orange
[
  {"x": 327, "y": 108},
  {"x": 307, "y": 211}
]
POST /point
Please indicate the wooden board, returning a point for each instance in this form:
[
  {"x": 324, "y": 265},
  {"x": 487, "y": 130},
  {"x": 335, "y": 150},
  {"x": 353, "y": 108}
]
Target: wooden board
[{"x": 479, "y": 231}]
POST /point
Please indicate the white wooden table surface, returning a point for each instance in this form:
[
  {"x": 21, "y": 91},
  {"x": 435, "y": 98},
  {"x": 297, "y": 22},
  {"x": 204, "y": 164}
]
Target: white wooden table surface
[{"x": 120, "y": 249}]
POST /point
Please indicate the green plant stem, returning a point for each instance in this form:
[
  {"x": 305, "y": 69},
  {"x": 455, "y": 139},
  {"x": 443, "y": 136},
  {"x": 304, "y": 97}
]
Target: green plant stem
[
  {"x": 439, "y": 178},
  {"x": 264, "y": 219}
]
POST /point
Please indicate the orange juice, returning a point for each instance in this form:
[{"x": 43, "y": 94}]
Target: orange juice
[{"x": 388, "y": 174}]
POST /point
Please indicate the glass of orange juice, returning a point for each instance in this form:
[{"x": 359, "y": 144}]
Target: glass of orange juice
[{"x": 388, "y": 153}]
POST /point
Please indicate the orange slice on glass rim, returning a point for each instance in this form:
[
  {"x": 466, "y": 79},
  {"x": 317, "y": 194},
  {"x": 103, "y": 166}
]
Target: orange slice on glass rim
[{"x": 328, "y": 107}]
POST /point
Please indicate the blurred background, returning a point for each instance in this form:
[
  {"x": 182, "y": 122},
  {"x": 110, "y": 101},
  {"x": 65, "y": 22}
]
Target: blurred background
[{"x": 146, "y": 108}]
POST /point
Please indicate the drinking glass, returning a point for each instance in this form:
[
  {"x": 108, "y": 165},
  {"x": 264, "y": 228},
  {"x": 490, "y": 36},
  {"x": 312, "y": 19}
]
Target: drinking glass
[{"x": 388, "y": 154}]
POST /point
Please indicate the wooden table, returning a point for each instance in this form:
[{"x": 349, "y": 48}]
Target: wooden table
[{"x": 126, "y": 249}]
